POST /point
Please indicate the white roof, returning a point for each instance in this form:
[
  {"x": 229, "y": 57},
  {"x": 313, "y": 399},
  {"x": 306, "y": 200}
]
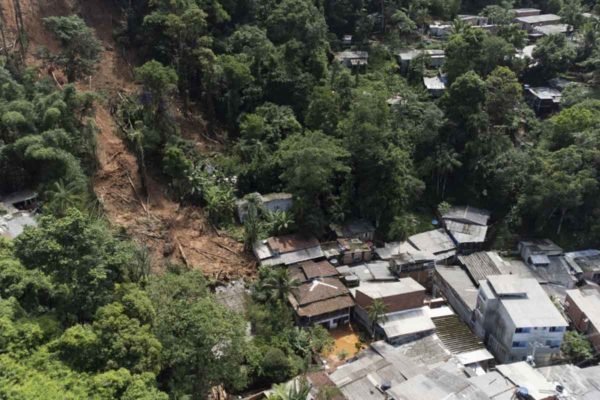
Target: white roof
[
  {"x": 534, "y": 19},
  {"x": 378, "y": 290},
  {"x": 12, "y": 225},
  {"x": 553, "y": 29},
  {"x": 407, "y": 323},
  {"x": 466, "y": 233},
  {"x": 436, "y": 242},
  {"x": 526, "y": 302},
  {"x": 435, "y": 83},
  {"x": 475, "y": 356}
]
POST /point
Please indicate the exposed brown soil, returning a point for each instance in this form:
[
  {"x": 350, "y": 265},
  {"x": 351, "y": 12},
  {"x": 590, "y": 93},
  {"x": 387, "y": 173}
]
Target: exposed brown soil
[{"x": 171, "y": 232}]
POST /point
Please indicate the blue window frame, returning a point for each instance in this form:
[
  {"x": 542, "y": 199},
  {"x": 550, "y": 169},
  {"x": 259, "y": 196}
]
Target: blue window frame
[
  {"x": 557, "y": 329},
  {"x": 519, "y": 345},
  {"x": 522, "y": 330}
]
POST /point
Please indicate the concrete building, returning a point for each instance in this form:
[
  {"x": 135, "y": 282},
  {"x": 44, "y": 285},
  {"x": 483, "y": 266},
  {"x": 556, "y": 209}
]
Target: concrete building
[
  {"x": 453, "y": 283},
  {"x": 575, "y": 383},
  {"x": 582, "y": 307},
  {"x": 585, "y": 264},
  {"x": 440, "y": 29},
  {"x": 436, "y": 242},
  {"x": 526, "y": 12},
  {"x": 434, "y": 58},
  {"x": 517, "y": 320},
  {"x": 530, "y": 22},
  {"x": 353, "y": 58},
  {"x": 543, "y": 100},
  {"x": 271, "y": 202},
  {"x": 347, "y": 251},
  {"x": 436, "y": 85},
  {"x": 467, "y": 226}
]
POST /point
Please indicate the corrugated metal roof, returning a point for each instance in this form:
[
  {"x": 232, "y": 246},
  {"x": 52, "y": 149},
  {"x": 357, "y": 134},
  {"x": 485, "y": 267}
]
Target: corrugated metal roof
[{"x": 479, "y": 265}]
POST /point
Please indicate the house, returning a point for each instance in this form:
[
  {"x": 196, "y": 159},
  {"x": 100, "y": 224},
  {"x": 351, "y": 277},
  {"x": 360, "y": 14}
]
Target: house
[
  {"x": 525, "y": 12},
  {"x": 542, "y": 99},
  {"x": 582, "y": 307},
  {"x": 436, "y": 86},
  {"x": 325, "y": 301},
  {"x": 353, "y": 58},
  {"x": 347, "y": 251},
  {"x": 453, "y": 283},
  {"x": 530, "y": 22},
  {"x": 440, "y": 29},
  {"x": 536, "y": 251},
  {"x": 546, "y": 261},
  {"x": 287, "y": 250},
  {"x": 17, "y": 212},
  {"x": 473, "y": 20},
  {"x": 406, "y": 261},
  {"x": 518, "y": 320},
  {"x": 401, "y": 295},
  {"x": 434, "y": 58},
  {"x": 271, "y": 202},
  {"x": 585, "y": 264},
  {"x": 436, "y": 242},
  {"x": 548, "y": 30},
  {"x": 356, "y": 229}
]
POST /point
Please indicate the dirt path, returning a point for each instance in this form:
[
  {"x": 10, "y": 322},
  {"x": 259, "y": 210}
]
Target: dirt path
[{"x": 171, "y": 232}]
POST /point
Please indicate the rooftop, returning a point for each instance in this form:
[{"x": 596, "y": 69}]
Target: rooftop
[
  {"x": 371, "y": 271},
  {"x": 495, "y": 386},
  {"x": 545, "y": 93},
  {"x": 584, "y": 261},
  {"x": 434, "y": 83},
  {"x": 407, "y": 322},
  {"x": 320, "y": 296},
  {"x": 409, "y": 54},
  {"x": 536, "y": 19},
  {"x": 541, "y": 246},
  {"x": 436, "y": 242},
  {"x": 458, "y": 338},
  {"x": 380, "y": 290},
  {"x": 468, "y": 215},
  {"x": 588, "y": 301},
  {"x": 579, "y": 383},
  {"x": 317, "y": 269},
  {"x": 553, "y": 29},
  {"x": 460, "y": 282},
  {"x": 466, "y": 233},
  {"x": 289, "y": 243},
  {"x": 524, "y": 375},
  {"x": 480, "y": 265},
  {"x": 525, "y": 301}
]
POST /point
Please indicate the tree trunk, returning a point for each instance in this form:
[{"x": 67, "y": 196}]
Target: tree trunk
[{"x": 563, "y": 212}]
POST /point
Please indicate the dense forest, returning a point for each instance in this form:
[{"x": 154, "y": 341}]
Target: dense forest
[{"x": 81, "y": 313}]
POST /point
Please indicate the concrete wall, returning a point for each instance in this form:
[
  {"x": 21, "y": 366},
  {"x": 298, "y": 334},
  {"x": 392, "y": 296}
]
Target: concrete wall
[{"x": 580, "y": 322}]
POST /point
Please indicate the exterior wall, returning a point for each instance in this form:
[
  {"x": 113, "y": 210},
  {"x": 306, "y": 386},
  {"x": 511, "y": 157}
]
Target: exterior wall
[
  {"x": 580, "y": 322},
  {"x": 592, "y": 276},
  {"x": 423, "y": 276},
  {"x": 464, "y": 312},
  {"x": 329, "y": 320},
  {"x": 500, "y": 335},
  {"x": 355, "y": 257},
  {"x": 399, "y": 302}
]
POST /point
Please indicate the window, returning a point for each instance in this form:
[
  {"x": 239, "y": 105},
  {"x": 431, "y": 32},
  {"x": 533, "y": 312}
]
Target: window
[
  {"x": 519, "y": 345},
  {"x": 553, "y": 344},
  {"x": 522, "y": 330},
  {"x": 557, "y": 329}
]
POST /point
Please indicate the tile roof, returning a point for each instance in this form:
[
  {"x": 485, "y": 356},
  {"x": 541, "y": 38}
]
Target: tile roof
[
  {"x": 318, "y": 290},
  {"x": 318, "y": 269},
  {"x": 456, "y": 335}
]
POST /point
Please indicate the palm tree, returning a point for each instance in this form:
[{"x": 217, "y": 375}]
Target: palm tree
[
  {"x": 64, "y": 196},
  {"x": 377, "y": 313},
  {"x": 279, "y": 284},
  {"x": 298, "y": 389}
]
